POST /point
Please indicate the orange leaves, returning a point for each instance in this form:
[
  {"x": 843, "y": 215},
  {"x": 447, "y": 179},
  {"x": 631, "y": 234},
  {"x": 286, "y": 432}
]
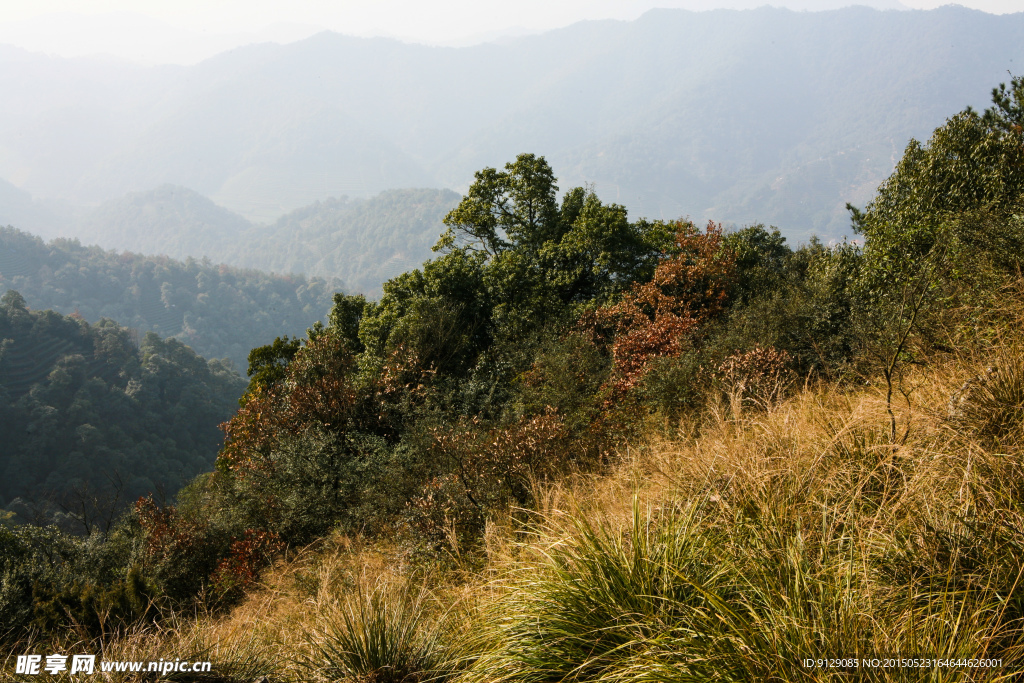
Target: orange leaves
[
  {"x": 240, "y": 569},
  {"x": 317, "y": 390},
  {"x": 656, "y": 318}
]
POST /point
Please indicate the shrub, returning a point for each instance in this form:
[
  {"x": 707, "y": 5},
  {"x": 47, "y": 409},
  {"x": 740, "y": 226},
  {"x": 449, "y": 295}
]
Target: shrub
[
  {"x": 757, "y": 378},
  {"x": 240, "y": 569},
  {"x": 655, "y": 319},
  {"x": 483, "y": 470}
]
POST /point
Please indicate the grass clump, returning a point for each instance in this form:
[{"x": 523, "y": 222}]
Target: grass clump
[
  {"x": 385, "y": 635},
  {"x": 600, "y": 601},
  {"x": 758, "y": 542},
  {"x": 671, "y": 598}
]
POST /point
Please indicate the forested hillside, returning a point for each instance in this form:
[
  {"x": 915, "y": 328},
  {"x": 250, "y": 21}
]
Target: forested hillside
[
  {"x": 359, "y": 243},
  {"x": 220, "y": 312},
  {"x": 170, "y": 221},
  {"x": 92, "y": 416},
  {"x": 575, "y": 446},
  {"x": 362, "y": 242}
]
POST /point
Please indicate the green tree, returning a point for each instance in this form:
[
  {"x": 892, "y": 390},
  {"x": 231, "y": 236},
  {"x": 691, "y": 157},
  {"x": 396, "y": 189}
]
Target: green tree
[
  {"x": 268, "y": 364},
  {"x": 973, "y": 164},
  {"x": 937, "y": 227},
  {"x": 542, "y": 260}
]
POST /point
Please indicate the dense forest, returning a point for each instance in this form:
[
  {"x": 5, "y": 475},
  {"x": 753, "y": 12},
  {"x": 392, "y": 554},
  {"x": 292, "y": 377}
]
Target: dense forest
[
  {"x": 92, "y": 416},
  {"x": 362, "y": 242},
  {"x": 458, "y": 480},
  {"x": 356, "y": 244},
  {"x": 219, "y": 312}
]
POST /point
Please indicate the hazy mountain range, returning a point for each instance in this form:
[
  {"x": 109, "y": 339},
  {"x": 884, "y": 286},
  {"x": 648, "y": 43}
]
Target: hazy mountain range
[
  {"x": 361, "y": 242},
  {"x": 764, "y": 115}
]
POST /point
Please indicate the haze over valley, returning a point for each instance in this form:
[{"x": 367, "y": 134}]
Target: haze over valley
[{"x": 764, "y": 115}]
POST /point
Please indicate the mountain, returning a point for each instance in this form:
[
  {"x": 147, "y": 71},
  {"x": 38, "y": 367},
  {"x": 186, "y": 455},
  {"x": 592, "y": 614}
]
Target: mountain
[
  {"x": 169, "y": 220},
  {"x": 93, "y": 410},
  {"x": 218, "y": 311},
  {"x": 45, "y": 218},
  {"x": 356, "y": 242},
  {"x": 756, "y": 115},
  {"x": 364, "y": 242}
]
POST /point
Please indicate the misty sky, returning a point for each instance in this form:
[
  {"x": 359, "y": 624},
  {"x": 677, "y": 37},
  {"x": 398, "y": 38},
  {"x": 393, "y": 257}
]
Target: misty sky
[{"x": 187, "y": 31}]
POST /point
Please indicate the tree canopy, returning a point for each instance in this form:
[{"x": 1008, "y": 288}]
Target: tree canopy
[
  {"x": 220, "y": 312},
  {"x": 91, "y": 411}
]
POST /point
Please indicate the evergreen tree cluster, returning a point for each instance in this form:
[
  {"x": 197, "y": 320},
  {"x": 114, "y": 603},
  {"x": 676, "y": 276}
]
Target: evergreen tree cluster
[
  {"x": 218, "y": 311},
  {"x": 92, "y": 417}
]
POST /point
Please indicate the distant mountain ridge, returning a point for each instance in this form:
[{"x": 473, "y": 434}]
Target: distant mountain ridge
[
  {"x": 220, "y": 312},
  {"x": 364, "y": 242},
  {"x": 355, "y": 243},
  {"x": 741, "y": 116},
  {"x": 169, "y": 220}
]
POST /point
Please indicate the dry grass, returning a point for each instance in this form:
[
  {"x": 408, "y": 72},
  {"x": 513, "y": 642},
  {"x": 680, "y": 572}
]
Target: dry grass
[{"x": 800, "y": 531}]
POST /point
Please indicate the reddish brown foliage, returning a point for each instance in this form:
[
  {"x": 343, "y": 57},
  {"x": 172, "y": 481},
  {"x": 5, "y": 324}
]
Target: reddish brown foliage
[
  {"x": 251, "y": 433},
  {"x": 490, "y": 467},
  {"x": 319, "y": 379},
  {"x": 167, "y": 534},
  {"x": 529, "y": 446},
  {"x": 317, "y": 390},
  {"x": 403, "y": 378},
  {"x": 654, "y": 319},
  {"x": 240, "y": 569}
]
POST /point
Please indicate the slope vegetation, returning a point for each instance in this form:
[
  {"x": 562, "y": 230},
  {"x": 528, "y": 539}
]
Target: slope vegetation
[
  {"x": 219, "y": 312},
  {"x": 573, "y": 447},
  {"x": 92, "y": 417}
]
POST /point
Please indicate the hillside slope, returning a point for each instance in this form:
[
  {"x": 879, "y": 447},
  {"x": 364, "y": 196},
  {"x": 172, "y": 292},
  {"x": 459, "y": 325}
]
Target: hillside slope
[
  {"x": 359, "y": 242},
  {"x": 220, "y": 312},
  {"x": 93, "y": 413}
]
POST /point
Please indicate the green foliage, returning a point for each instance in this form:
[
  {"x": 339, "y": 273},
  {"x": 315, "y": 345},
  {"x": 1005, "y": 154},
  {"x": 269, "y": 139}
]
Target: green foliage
[
  {"x": 267, "y": 364},
  {"x": 603, "y": 606},
  {"x": 540, "y": 260},
  {"x": 569, "y": 376},
  {"x": 940, "y": 226},
  {"x": 218, "y": 311},
  {"x": 51, "y": 582},
  {"x": 93, "y": 419},
  {"x": 973, "y": 163},
  {"x": 761, "y": 259},
  {"x": 1007, "y": 114},
  {"x": 345, "y": 318}
]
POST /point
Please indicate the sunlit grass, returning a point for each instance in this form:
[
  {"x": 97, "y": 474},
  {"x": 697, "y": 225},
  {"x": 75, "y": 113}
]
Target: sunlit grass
[{"x": 732, "y": 550}]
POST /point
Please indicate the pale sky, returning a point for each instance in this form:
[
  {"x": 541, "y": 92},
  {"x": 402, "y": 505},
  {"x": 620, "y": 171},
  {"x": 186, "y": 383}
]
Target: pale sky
[{"x": 187, "y": 31}]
